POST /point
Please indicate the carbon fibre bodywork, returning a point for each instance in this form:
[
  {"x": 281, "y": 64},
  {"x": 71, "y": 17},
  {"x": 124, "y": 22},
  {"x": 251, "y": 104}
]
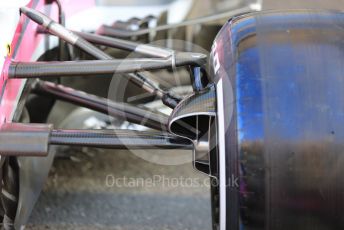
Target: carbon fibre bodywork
[
  {"x": 280, "y": 107},
  {"x": 27, "y": 174}
]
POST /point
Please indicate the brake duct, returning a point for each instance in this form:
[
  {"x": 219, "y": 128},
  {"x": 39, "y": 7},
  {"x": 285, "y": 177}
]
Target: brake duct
[{"x": 194, "y": 119}]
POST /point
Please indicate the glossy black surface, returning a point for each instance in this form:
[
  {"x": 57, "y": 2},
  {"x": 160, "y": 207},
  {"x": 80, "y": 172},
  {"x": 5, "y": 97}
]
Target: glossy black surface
[{"x": 285, "y": 139}]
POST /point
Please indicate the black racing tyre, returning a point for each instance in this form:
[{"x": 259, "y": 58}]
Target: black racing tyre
[
  {"x": 9, "y": 191},
  {"x": 280, "y": 111}
]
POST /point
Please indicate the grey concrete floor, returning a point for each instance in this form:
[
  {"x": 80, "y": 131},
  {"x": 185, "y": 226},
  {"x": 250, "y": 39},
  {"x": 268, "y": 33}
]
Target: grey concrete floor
[{"x": 76, "y": 195}]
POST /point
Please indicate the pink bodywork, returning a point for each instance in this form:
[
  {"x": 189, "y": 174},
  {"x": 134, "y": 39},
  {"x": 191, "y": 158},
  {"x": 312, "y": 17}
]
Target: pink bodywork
[{"x": 11, "y": 89}]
